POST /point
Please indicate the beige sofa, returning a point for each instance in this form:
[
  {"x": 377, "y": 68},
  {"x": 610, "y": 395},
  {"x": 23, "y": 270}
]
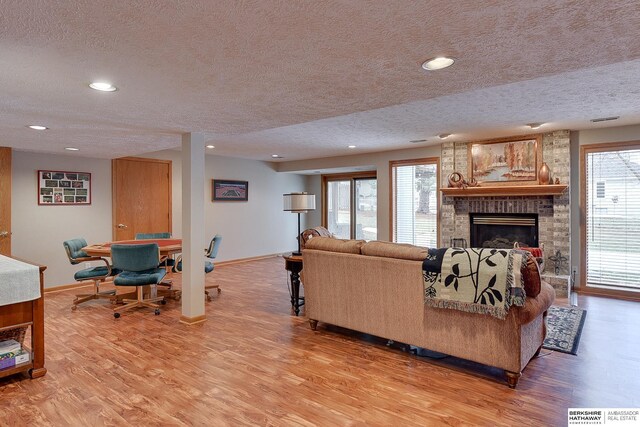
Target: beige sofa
[{"x": 377, "y": 288}]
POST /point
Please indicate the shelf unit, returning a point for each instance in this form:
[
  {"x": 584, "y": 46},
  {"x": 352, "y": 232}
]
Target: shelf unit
[
  {"x": 27, "y": 314},
  {"x": 512, "y": 190}
]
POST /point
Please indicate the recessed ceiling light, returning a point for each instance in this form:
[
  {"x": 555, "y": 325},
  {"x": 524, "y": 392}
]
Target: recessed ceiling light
[
  {"x": 38, "y": 127},
  {"x": 437, "y": 63},
  {"x": 605, "y": 119},
  {"x": 444, "y": 135},
  {"x": 415, "y": 141},
  {"x": 211, "y": 146},
  {"x": 351, "y": 146},
  {"x": 72, "y": 149},
  {"x": 103, "y": 86},
  {"x": 276, "y": 156},
  {"x": 534, "y": 125}
]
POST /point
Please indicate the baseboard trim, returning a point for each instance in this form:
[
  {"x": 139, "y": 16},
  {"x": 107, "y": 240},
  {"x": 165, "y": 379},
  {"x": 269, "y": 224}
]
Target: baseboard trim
[
  {"x": 192, "y": 320},
  {"x": 610, "y": 293},
  {"x": 61, "y": 288},
  {"x": 241, "y": 260}
]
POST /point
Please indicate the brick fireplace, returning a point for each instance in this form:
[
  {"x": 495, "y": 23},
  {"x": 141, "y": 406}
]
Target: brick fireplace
[{"x": 553, "y": 214}]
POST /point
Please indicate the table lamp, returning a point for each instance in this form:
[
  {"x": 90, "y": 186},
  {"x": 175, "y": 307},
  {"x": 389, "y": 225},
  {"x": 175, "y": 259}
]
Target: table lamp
[{"x": 299, "y": 203}]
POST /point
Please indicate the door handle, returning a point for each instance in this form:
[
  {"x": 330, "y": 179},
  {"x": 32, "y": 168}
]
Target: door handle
[
  {"x": 4, "y": 234},
  {"x": 122, "y": 226}
]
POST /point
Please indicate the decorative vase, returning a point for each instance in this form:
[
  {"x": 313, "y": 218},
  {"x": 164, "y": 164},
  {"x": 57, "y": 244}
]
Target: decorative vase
[{"x": 544, "y": 174}]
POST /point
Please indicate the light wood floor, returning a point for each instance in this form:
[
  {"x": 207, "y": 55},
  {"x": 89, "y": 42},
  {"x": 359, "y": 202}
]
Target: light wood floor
[{"x": 253, "y": 363}]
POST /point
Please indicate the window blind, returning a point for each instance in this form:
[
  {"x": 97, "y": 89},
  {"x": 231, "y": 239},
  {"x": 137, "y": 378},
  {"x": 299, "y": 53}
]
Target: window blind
[
  {"x": 613, "y": 218},
  {"x": 415, "y": 206}
]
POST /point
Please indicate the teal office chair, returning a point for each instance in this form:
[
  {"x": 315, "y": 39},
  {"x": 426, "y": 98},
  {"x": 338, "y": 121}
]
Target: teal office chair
[
  {"x": 166, "y": 263},
  {"x": 143, "y": 236},
  {"x": 211, "y": 252},
  {"x": 139, "y": 268},
  {"x": 97, "y": 275}
]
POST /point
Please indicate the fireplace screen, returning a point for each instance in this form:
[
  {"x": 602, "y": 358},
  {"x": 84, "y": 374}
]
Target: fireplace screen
[{"x": 503, "y": 230}]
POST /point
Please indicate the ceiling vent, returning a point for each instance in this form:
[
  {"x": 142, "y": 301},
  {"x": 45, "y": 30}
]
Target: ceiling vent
[{"x": 605, "y": 119}]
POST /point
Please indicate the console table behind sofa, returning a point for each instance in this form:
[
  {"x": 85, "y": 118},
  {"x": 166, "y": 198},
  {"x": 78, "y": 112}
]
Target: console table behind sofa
[{"x": 22, "y": 315}]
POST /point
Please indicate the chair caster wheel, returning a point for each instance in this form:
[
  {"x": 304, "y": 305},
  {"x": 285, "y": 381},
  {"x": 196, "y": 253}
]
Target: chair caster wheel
[
  {"x": 157, "y": 311},
  {"x": 219, "y": 290},
  {"x": 116, "y": 315},
  {"x": 163, "y": 302}
]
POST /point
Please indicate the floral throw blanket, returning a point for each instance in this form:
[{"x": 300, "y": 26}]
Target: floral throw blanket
[{"x": 477, "y": 280}]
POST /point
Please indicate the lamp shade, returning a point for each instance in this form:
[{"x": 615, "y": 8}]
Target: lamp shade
[{"x": 299, "y": 202}]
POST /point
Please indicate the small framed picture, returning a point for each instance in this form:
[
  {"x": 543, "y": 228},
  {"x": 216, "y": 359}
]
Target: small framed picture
[
  {"x": 56, "y": 188},
  {"x": 228, "y": 190}
]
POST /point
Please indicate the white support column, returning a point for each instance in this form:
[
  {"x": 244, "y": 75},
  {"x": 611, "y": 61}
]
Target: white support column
[{"x": 193, "y": 241}]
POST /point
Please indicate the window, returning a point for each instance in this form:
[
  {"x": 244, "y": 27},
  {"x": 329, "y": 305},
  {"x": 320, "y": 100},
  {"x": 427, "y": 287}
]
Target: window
[
  {"x": 415, "y": 201},
  {"x": 350, "y": 205},
  {"x": 612, "y": 231}
]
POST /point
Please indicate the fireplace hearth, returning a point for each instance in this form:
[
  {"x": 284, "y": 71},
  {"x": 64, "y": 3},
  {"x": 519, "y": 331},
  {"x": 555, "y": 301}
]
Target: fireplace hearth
[{"x": 490, "y": 230}]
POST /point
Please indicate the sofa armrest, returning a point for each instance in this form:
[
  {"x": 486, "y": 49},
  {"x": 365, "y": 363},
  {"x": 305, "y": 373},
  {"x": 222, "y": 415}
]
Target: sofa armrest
[{"x": 533, "y": 307}]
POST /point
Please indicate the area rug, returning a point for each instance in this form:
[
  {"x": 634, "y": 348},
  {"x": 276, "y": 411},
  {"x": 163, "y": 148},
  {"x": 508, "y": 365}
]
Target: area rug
[{"x": 564, "y": 327}]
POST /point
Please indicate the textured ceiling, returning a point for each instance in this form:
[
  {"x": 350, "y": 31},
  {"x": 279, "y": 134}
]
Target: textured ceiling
[{"x": 304, "y": 79}]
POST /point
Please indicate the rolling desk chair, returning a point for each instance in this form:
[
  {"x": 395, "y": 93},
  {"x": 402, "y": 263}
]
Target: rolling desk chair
[
  {"x": 211, "y": 252},
  {"x": 97, "y": 275},
  {"x": 139, "y": 268}
]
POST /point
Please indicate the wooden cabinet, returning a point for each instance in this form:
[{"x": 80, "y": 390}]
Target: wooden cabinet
[{"x": 25, "y": 314}]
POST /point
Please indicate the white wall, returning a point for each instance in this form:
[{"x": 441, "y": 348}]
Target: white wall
[
  {"x": 254, "y": 228},
  {"x": 378, "y": 161},
  {"x": 38, "y": 231}
]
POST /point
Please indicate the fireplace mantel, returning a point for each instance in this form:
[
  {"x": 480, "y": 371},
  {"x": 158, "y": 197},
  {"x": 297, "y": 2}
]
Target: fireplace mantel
[{"x": 512, "y": 190}]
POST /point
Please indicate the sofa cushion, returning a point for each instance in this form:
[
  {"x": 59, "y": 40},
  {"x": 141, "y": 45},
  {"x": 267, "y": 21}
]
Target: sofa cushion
[
  {"x": 394, "y": 250},
  {"x": 310, "y": 233},
  {"x": 335, "y": 245},
  {"x": 537, "y": 305},
  {"x": 531, "y": 275}
]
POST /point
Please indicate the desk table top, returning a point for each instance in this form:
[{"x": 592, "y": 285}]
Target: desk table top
[{"x": 166, "y": 246}]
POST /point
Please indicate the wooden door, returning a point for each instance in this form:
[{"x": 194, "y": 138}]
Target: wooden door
[
  {"x": 5, "y": 201},
  {"x": 141, "y": 197}
]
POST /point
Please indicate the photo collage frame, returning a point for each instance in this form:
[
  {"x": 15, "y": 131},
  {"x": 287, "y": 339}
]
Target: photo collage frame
[{"x": 64, "y": 188}]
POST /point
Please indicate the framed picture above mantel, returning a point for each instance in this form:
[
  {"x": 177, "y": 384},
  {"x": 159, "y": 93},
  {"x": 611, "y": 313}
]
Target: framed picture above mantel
[
  {"x": 505, "y": 161},
  {"x": 64, "y": 188}
]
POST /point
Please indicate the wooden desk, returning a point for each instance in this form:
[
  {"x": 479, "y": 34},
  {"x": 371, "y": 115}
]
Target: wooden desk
[
  {"x": 167, "y": 246},
  {"x": 24, "y": 314},
  {"x": 293, "y": 264}
]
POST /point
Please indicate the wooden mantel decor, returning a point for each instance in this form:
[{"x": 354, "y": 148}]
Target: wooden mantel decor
[{"x": 514, "y": 190}]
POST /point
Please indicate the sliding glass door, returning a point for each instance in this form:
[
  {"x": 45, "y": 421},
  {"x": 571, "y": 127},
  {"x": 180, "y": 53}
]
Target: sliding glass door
[
  {"x": 611, "y": 200},
  {"x": 350, "y": 205},
  {"x": 415, "y": 203},
  {"x": 366, "y": 208},
  {"x": 339, "y": 208}
]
